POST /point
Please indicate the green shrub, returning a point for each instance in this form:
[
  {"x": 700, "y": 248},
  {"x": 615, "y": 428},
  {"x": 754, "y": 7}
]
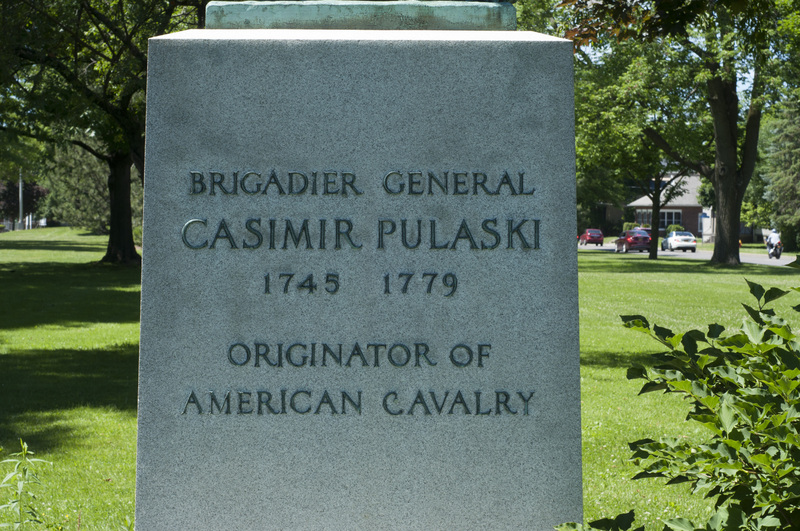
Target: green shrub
[
  {"x": 629, "y": 225},
  {"x": 674, "y": 228},
  {"x": 744, "y": 388}
]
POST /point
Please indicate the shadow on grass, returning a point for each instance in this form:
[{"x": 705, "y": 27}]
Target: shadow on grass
[
  {"x": 615, "y": 360},
  {"x": 609, "y": 263},
  {"x": 39, "y": 383},
  {"x": 57, "y": 246},
  {"x": 64, "y": 293}
]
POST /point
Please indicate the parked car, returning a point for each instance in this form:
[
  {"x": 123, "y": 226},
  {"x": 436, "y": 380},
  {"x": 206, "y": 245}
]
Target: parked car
[
  {"x": 594, "y": 236},
  {"x": 683, "y": 240},
  {"x": 632, "y": 240}
]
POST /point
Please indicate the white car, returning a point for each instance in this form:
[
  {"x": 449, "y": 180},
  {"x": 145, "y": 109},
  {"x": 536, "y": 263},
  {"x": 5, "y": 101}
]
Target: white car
[{"x": 683, "y": 240}]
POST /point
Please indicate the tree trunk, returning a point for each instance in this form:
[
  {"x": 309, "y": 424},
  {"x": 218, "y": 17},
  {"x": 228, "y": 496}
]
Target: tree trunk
[
  {"x": 729, "y": 180},
  {"x": 121, "y": 249},
  {"x": 655, "y": 220},
  {"x": 726, "y": 233}
]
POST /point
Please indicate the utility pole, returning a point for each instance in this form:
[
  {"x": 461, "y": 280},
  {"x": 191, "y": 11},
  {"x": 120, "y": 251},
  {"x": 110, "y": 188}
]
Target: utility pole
[{"x": 20, "y": 197}]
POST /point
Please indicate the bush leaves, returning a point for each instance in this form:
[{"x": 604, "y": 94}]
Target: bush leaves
[{"x": 744, "y": 386}]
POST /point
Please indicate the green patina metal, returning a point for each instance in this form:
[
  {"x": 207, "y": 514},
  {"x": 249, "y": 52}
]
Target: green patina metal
[{"x": 362, "y": 15}]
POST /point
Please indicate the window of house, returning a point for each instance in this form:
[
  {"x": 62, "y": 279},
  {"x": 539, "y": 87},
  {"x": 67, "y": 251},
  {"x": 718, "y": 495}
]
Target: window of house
[
  {"x": 669, "y": 217},
  {"x": 643, "y": 217},
  {"x": 666, "y": 218}
]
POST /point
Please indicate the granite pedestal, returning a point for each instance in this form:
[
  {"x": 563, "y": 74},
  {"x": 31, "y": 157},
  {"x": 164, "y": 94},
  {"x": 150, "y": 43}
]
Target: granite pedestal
[{"x": 359, "y": 293}]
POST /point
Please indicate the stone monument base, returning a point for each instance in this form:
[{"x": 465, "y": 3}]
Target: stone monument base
[{"x": 359, "y": 284}]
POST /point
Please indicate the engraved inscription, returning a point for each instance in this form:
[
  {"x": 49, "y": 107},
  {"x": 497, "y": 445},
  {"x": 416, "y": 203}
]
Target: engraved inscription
[
  {"x": 461, "y": 402},
  {"x": 394, "y": 403},
  {"x": 449, "y": 282},
  {"x": 250, "y": 183},
  {"x": 317, "y": 354},
  {"x": 272, "y": 234},
  {"x": 513, "y": 227},
  {"x": 485, "y": 235},
  {"x": 287, "y": 281},
  {"x": 455, "y": 183},
  {"x": 266, "y": 402}
]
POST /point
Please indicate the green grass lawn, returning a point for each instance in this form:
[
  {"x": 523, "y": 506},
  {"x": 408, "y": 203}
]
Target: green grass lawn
[
  {"x": 69, "y": 335},
  {"x": 674, "y": 292},
  {"x": 68, "y": 367}
]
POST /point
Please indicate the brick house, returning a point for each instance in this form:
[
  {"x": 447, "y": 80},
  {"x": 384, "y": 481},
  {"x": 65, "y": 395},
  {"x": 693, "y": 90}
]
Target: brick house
[{"x": 684, "y": 210}]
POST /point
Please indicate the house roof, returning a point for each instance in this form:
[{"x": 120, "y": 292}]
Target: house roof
[{"x": 688, "y": 199}]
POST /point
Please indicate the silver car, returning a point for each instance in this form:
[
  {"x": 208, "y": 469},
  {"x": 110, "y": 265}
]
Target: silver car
[{"x": 679, "y": 240}]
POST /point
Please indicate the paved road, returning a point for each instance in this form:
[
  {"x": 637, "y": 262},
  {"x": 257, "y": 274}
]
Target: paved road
[{"x": 748, "y": 258}]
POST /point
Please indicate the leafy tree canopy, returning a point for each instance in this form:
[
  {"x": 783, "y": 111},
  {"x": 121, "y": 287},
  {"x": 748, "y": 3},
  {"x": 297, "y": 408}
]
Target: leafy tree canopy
[
  {"x": 649, "y": 20},
  {"x": 77, "y": 66},
  {"x": 716, "y": 49},
  {"x": 782, "y": 173}
]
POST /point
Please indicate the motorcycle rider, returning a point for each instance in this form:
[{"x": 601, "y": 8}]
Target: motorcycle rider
[{"x": 772, "y": 240}]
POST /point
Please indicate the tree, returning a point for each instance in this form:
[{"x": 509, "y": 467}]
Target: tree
[
  {"x": 18, "y": 153},
  {"x": 756, "y": 207},
  {"x": 19, "y": 157},
  {"x": 729, "y": 42},
  {"x": 80, "y": 65},
  {"x": 623, "y": 101},
  {"x": 541, "y": 16},
  {"x": 597, "y": 183},
  {"x": 783, "y": 172},
  {"x": 597, "y": 180},
  {"x": 32, "y": 195},
  {"x": 78, "y": 189}
]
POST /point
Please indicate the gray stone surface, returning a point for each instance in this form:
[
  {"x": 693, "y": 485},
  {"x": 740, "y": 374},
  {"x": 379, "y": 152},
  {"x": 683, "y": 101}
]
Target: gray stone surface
[
  {"x": 362, "y": 14},
  {"x": 316, "y": 444}
]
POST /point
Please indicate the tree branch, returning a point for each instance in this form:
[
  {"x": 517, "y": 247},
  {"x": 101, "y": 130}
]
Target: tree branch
[
  {"x": 117, "y": 32},
  {"x": 751, "y": 129},
  {"x": 78, "y": 36},
  {"x": 661, "y": 143},
  {"x": 91, "y": 150},
  {"x": 74, "y": 81},
  {"x": 673, "y": 189},
  {"x": 46, "y": 137}
]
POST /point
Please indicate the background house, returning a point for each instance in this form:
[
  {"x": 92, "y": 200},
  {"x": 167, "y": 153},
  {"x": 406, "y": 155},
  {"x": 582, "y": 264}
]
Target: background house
[{"x": 684, "y": 210}]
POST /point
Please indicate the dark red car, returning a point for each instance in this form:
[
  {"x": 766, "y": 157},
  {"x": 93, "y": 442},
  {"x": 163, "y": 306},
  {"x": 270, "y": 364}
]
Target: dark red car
[
  {"x": 594, "y": 236},
  {"x": 632, "y": 240}
]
